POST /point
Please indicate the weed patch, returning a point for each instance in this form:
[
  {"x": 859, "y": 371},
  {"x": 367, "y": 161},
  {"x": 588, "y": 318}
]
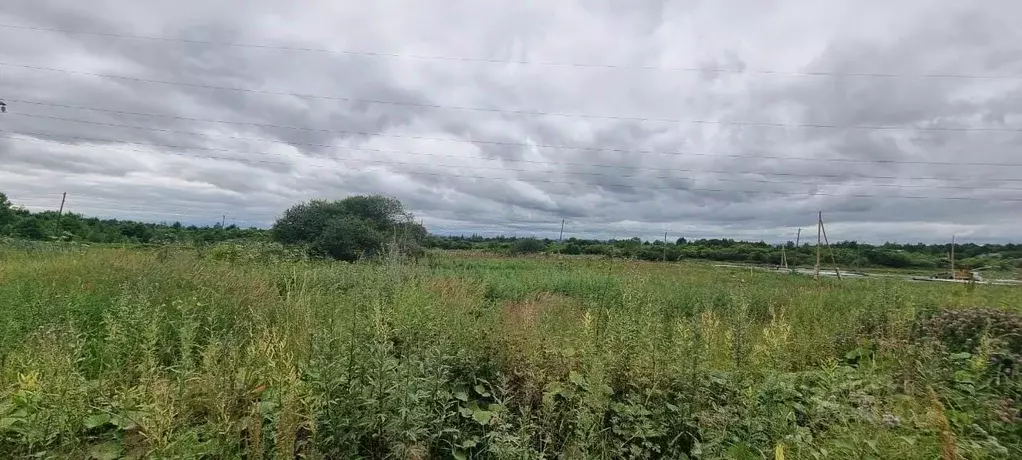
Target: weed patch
[{"x": 227, "y": 353}]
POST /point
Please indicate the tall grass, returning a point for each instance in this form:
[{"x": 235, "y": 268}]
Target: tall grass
[{"x": 117, "y": 353}]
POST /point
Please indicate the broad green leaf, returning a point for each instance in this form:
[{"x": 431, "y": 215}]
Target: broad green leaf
[
  {"x": 741, "y": 451},
  {"x": 128, "y": 421},
  {"x": 110, "y": 450},
  {"x": 267, "y": 407},
  {"x": 576, "y": 378},
  {"x": 7, "y": 422},
  {"x": 482, "y": 416},
  {"x": 97, "y": 420},
  {"x": 963, "y": 377}
]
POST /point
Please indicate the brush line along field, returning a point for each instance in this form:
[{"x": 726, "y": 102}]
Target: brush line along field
[{"x": 181, "y": 353}]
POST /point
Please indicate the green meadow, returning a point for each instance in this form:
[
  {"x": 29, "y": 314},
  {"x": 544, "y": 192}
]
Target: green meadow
[{"x": 234, "y": 352}]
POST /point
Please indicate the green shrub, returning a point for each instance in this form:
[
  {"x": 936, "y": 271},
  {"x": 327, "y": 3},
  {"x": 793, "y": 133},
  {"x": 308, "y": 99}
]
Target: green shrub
[
  {"x": 962, "y": 329},
  {"x": 528, "y": 246}
]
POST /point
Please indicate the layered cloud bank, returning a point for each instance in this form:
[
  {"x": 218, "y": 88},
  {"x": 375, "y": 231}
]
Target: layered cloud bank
[{"x": 705, "y": 119}]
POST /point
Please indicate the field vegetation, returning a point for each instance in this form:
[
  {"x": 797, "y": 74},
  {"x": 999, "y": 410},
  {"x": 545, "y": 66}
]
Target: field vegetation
[
  {"x": 251, "y": 351},
  {"x": 327, "y": 229}
]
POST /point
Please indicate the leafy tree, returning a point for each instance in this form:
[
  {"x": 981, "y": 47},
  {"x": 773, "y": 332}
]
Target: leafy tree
[
  {"x": 305, "y": 222},
  {"x": 349, "y": 238},
  {"x": 528, "y": 246},
  {"x": 5, "y": 205},
  {"x": 30, "y": 228},
  {"x": 348, "y": 229},
  {"x": 138, "y": 231},
  {"x": 6, "y": 213}
]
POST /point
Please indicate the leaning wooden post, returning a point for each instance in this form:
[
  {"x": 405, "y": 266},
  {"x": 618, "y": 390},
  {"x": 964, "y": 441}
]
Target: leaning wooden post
[
  {"x": 825, "y": 241},
  {"x": 819, "y": 238}
]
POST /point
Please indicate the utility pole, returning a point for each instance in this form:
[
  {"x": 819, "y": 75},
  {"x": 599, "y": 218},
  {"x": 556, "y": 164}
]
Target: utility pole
[
  {"x": 665, "y": 246},
  {"x": 561, "y": 236},
  {"x": 819, "y": 242},
  {"x": 953, "y": 257},
  {"x": 833, "y": 259},
  {"x": 223, "y": 221},
  {"x": 62, "y": 199},
  {"x": 794, "y": 253}
]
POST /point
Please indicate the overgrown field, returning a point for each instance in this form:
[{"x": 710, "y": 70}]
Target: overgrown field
[{"x": 113, "y": 353}]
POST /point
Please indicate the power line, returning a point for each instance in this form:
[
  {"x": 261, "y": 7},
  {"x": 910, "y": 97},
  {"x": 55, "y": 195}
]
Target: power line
[
  {"x": 517, "y": 144},
  {"x": 378, "y": 54},
  {"x": 589, "y": 230},
  {"x": 538, "y": 226},
  {"x": 955, "y": 198},
  {"x": 91, "y": 201},
  {"x": 72, "y": 208},
  {"x": 167, "y": 213},
  {"x": 577, "y": 228},
  {"x": 118, "y": 206},
  {"x": 576, "y": 173},
  {"x": 516, "y": 112},
  {"x": 483, "y": 168}
]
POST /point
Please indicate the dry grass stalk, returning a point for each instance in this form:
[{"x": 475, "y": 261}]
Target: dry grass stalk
[{"x": 948, "y": 448}]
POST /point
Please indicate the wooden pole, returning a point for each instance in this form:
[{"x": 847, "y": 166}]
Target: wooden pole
[
  {"x": 561, "y": 236},
  {"x": 819, "y": 241},
  {"x": 784, "y": 259},
  {"x": 827, "y": 242},
  {"x": 798, "y": 238},
  {"x": 953, "y": 277},
  {"x": 62, "y": 199},
  {"x": 665, "y": 246}
]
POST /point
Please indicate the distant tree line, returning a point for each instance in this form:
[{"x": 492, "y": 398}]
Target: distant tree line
[
  {"x": 364, "y": 226},
  {"x": 349, "y": 229},
  {"x": 20, "y": 223},
  {"x": 846, "y": 253}
]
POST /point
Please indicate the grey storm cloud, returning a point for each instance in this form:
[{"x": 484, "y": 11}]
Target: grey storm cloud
[{"x": 724, "y": 118}]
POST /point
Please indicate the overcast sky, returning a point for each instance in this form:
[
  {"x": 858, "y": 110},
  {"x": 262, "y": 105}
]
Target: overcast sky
[{"x": 713, "y": 118}]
